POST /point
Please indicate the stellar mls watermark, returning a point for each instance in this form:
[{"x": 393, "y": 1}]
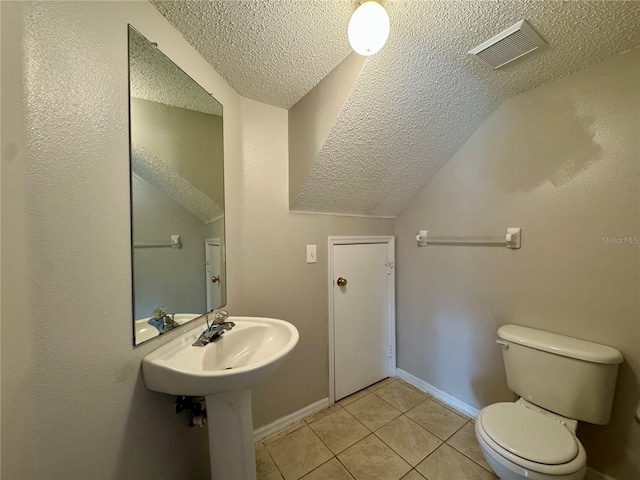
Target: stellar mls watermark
[{"x": 621, "y": 240}]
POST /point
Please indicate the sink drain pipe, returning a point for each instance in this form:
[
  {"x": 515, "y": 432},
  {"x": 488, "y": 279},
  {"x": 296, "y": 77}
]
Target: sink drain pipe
[{"x": 197, "y": 408}]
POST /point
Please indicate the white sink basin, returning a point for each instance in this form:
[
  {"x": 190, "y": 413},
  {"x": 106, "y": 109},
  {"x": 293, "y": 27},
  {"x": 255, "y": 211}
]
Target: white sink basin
[{"x": 240, "y": 358}]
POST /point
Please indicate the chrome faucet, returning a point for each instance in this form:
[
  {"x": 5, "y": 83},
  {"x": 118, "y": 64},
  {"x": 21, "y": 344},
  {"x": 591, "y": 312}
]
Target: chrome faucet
[
  {"x": 162, "y": 320},
  {"x": 214, "y": 330}
]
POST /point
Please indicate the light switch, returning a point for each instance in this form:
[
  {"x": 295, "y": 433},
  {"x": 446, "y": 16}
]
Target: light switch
[{"x": 311, "y": 254}]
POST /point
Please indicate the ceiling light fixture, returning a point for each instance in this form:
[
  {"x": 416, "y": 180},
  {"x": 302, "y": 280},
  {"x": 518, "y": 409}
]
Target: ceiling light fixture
[{"x": 368, "y": 28}]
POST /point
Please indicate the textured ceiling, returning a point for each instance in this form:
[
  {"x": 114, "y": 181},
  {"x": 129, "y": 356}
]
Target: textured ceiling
[
  {"x": 418, "y": 100},
  {"x": 154, "y": 77},
  {"x": 273, "y": 51}
]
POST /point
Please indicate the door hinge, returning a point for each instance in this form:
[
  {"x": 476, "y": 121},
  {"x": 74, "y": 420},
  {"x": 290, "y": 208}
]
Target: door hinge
[
  {"x": 389, "y": 351},
  {"x": 389, "y": 266}
]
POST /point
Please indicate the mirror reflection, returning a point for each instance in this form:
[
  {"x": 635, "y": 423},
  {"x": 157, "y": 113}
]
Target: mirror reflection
[{"x": 177, "y": 193}]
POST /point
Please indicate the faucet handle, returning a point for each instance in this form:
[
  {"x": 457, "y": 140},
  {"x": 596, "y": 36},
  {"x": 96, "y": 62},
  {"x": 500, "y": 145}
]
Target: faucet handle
[{"x": 220, "y": 316}]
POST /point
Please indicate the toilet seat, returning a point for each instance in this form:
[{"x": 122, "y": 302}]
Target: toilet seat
[
  {"x": 530, "y": 439},
  {"x": 529, "y": 434}
]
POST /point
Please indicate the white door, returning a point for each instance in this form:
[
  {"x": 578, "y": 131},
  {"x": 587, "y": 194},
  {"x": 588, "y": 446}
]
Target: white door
[
  {"x": 362, "y": 315},
  {"x": 212, "y": 274}
]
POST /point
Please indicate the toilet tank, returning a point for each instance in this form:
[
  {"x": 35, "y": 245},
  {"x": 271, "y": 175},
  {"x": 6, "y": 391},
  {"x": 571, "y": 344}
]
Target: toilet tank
[{"x": 571, "y": 377}]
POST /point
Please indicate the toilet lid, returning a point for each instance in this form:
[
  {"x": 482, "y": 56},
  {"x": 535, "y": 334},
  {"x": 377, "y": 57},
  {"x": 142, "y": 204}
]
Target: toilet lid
[{"x": 529, "y": 434}]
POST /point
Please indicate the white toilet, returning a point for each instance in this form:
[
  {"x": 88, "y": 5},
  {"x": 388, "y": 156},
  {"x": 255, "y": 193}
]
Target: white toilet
[{"x": 560, "y": 380}]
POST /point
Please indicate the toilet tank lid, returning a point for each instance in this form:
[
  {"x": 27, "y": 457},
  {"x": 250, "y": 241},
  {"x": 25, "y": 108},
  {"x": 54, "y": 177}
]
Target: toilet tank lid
[{"x": 560, "y": 344}]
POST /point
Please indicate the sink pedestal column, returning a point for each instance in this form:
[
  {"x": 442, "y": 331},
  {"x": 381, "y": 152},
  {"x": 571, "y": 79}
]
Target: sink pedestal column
[{"x": 231, "y": 447}]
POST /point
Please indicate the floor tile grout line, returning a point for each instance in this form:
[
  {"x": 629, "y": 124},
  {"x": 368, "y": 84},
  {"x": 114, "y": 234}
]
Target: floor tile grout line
[
  {"x": 451, "y": 436},
  {"x": 464, "y": 454},
  {"x": 306, "y": 473},
  {"x": 384, "y": 443},
  {"x": 378, "y": 396},
  {"x": 451, "y": 409},
  {"x": 336, "y": 454},
  {"x": 433, "y": 433},
  {"x": 349, "y": 413},
  {"x": 345, "y": 467},
  {"x": 434, "y": 451},
  {"x": 469, "y": 458},
  {"x": 424, "y": 428},
  {"x": 398, "y": 453},
  {"x": 274, "y": 461},
  {"x": 320, "y": 418},
  {"x": 413, "y": 469},
  {"x": 323, "y": 442}
]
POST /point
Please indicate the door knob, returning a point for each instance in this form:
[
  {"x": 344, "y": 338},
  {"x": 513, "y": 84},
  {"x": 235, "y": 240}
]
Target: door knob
[
  {"x": 215, "y": 279},
  {"x": 341, "y": 281}
]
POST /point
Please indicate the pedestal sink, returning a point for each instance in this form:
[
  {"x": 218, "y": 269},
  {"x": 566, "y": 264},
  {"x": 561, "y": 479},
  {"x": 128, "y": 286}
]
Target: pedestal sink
[{"x": 224, "y": 372}]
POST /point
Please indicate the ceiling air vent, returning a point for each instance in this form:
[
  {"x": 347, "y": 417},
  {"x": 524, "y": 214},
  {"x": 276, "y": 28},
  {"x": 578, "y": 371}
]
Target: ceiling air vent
[{"x": 505, "y": 47}]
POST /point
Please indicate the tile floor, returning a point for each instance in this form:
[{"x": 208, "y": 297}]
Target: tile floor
[{"x": 389, "y": 431}]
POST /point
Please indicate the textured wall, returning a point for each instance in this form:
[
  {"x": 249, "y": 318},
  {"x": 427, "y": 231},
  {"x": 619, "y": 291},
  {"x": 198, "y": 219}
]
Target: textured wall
[
  {"x": 73, "y": 402},
  {"x": 312, "y": 118},
  {"x": 562, "y": 163},
  {"x": 154, "y": 77}
]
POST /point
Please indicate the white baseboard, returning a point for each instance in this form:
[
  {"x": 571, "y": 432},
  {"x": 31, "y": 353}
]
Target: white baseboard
[
  {"x": 595, "y": 475},
  {"x": 452, "y": 402},
  {"x": 288, "y": 420}
]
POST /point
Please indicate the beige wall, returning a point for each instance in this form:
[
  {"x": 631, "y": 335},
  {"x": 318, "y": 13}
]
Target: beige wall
[
  {"x": 561, "y": 162},
  {"x": 73, "y": 401}
]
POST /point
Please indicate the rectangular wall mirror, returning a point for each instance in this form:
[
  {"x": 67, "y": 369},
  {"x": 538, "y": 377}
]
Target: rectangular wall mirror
[{"x": 177, "y": 193}]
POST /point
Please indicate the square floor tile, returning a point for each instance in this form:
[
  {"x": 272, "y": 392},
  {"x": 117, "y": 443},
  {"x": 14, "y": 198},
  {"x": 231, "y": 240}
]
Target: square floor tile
[
  {"x": 400, "y": 396},
  {"x": 298, "y": 453},
  {"x": 332, "y": 470},
  {"x": 370, "y": 459},
  {"x": 372, "y": 411},
  {"x": 439, "y": 420},
  {"x": 265, "y": 468},
  {"x": 465, "y": 441},
  {"x": 339, "y": 430},
  {"x": 408, "y": 439},
  {"x": 446, "y": 463}
]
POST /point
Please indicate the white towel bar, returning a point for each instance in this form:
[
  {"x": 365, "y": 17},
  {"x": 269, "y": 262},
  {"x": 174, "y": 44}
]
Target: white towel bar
[{"x": 510, "y": 240}]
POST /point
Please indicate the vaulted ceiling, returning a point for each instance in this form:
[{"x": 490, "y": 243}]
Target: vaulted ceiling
[{"x": 413, "y": 104}]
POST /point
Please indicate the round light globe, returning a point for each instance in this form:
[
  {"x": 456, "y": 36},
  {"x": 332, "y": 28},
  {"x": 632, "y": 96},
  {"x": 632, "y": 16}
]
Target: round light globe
[{"x": 368, "y": 28}]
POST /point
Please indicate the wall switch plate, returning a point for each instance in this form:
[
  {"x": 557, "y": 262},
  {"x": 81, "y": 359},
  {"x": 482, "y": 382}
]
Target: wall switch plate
[{"x": 311, "y": 254}]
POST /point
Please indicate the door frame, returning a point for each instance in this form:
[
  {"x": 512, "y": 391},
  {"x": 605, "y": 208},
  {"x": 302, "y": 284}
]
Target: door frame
[
  {"x": 214, "y": 242},
  {"x": 389, "y": 240}
]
